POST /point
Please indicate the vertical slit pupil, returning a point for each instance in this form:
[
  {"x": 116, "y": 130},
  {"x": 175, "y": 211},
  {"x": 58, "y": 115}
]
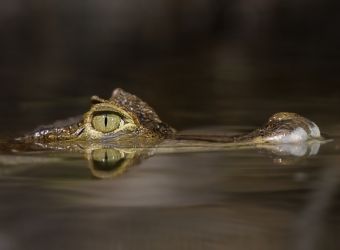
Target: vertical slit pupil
[
  {"x": 105, "y": 120},
  {"x": 106, "y": 157}
]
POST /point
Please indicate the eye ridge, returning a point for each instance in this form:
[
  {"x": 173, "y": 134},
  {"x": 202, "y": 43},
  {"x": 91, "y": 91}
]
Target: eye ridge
[{"x": 108, "y": 112}]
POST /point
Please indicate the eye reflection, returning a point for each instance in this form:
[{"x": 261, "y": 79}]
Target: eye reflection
[
  {"x": 108, "y": 163},
  {"x": 107, "y": 159}
]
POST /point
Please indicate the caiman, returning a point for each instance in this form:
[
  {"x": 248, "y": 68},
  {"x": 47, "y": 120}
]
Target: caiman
[{"x": 117, "y": 132}]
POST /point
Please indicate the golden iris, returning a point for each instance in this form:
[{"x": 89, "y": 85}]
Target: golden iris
[{"x": 106, "y": 122}]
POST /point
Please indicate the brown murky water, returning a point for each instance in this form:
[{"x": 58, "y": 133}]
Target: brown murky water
[{"x": 242, "y": 199}]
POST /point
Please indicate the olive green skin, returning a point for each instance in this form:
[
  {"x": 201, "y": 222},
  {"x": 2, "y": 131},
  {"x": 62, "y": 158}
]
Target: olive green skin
[
  {"x": 110, "y": 154},
  {"x": 146, "y": 128},
  {"x": 145, "y": 123}
]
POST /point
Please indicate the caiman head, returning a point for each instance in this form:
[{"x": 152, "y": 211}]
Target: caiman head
[
  {"x": 123, "y": 117},
  {"x": 114, "y": 132}
]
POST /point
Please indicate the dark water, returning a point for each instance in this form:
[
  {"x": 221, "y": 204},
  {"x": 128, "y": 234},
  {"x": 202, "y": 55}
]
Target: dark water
[
  {"x": 241, "y": 199},
  {"x": 210, "y": 66}
]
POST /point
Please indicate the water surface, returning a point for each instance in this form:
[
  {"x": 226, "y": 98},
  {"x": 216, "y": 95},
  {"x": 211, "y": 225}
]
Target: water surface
[{"x": 216, "y": 199}]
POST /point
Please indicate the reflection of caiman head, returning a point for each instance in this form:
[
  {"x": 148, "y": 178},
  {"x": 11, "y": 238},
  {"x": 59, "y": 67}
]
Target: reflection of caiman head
[{"x": 107, "y": 163}]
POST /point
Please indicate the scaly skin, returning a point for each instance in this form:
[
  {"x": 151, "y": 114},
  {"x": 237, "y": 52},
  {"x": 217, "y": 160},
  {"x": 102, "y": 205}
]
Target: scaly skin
[
  {"x": 119, "y": 132},
  {"x": 144, "y": 123},
  {"x": 143, "y": 127}
]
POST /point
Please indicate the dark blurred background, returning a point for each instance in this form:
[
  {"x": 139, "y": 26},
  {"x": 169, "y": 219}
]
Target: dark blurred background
[{"x": 169, "y": 51}]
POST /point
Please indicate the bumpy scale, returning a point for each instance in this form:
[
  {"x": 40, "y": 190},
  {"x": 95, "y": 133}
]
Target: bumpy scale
[{"x": 125, "y": 117}]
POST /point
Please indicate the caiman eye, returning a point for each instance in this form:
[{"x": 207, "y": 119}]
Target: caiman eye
[{"x": 106, "y": 122}]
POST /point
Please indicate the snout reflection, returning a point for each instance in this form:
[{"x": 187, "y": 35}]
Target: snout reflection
[
  {"x": 297, "y": 150},
  {"x": 107, "y": 159},
  {"x": 288, "y": 154}
]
